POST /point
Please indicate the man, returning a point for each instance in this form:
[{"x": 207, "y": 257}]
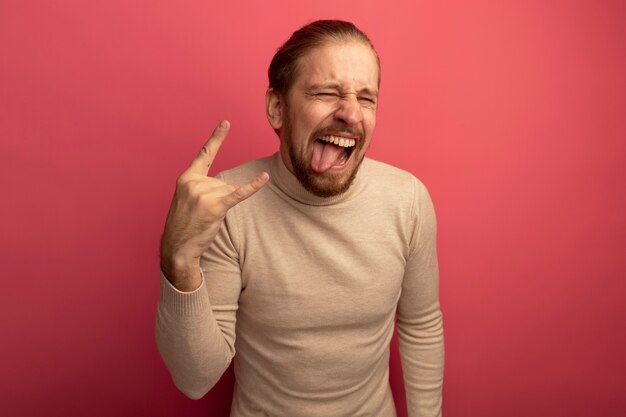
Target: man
[{"x": 301, "y": 270}]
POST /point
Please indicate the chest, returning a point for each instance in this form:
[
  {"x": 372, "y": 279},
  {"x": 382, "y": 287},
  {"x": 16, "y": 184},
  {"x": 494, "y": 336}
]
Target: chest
[{"x": 315, "y": 271}]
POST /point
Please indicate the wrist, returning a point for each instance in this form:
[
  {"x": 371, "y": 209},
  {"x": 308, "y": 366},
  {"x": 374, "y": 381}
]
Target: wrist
[{"x": 182, "y": 273}]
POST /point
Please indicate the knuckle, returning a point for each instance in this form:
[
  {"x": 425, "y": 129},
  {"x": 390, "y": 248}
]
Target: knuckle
[
  {"x": 195, "y": 188},
  {"x": 238, "y": 194},
  {"x": 180, "y": 181},
  {"x": 207, "y": 152},
  {"x": 204, "y": 201},
  {"x": 188, "y": 187}
]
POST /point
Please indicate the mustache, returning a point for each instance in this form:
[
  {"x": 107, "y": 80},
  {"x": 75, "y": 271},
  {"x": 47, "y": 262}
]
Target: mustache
[{"x": 339, "y": 130}]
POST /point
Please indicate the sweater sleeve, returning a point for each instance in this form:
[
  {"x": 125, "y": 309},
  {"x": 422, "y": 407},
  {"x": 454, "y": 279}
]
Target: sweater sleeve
[
  {"x": 420, "y": 323},
  {"x": 195, "y": 331}
]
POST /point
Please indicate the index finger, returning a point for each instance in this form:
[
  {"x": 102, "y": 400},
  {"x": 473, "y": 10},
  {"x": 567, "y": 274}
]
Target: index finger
[{"x": 202, "y": 162}]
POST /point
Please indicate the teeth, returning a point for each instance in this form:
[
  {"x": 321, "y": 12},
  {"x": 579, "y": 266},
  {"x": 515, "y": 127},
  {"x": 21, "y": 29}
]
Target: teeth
[{"x": 345, "y": 143}]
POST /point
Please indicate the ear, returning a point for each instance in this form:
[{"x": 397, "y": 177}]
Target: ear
[{"x": 274, "y": 108}]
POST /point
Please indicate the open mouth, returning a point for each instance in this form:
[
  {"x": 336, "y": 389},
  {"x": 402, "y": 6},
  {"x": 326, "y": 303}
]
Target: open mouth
[{"x": 331, "y": 153}]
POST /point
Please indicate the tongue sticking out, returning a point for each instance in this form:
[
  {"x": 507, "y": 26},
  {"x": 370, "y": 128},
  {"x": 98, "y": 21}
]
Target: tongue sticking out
[{"x": 326, "y": 156}]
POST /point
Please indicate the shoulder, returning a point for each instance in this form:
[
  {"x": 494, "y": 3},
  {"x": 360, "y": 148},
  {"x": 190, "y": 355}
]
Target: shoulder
[
  {"x": 394, "y": 182},
  {"x": 401, "y": 198},
  {"x": 246, "y": 171}
]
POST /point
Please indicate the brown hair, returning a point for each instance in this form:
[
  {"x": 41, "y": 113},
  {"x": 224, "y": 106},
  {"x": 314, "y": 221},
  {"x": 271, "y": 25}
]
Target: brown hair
[{"x": 283, "y": 68}]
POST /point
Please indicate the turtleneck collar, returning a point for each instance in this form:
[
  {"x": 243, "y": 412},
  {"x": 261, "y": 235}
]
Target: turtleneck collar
[{"x": 289, "y": 184}]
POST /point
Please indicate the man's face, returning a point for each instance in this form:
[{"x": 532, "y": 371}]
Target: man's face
[{"x": 333, "y": 99}]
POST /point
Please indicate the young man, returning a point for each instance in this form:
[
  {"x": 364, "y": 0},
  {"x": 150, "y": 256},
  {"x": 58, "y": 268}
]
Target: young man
[{"x": 301, "y": 271}]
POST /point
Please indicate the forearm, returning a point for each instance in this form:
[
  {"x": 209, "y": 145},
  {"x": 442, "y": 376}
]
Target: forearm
[
  {"x": 421, "y": 346},
  {"x": 194, "y": 348}
]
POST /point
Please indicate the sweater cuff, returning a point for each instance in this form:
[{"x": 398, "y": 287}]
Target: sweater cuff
[{"x": 192, "y": 303}]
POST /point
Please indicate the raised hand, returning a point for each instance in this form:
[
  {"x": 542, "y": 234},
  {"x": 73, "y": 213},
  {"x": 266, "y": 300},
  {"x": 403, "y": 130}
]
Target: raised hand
[{"x": 198, "y": 208}]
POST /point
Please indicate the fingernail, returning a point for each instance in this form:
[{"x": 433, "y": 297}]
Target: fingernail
[{"x": 223, "y": 124}]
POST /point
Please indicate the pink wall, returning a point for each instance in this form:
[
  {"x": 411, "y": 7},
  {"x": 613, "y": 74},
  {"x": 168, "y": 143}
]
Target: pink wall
[{"x": 512, "y": 113}]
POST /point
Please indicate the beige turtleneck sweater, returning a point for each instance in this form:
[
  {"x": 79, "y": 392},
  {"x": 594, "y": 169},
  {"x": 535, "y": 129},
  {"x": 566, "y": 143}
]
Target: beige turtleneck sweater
[{"x": 302, "y": 292}]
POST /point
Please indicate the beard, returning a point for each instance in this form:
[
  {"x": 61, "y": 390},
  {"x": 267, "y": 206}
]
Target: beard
[{"x": 326, "y": 184}]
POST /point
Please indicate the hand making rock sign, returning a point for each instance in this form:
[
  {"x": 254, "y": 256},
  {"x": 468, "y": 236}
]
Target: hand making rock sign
[{"x": 198, "y": 208}]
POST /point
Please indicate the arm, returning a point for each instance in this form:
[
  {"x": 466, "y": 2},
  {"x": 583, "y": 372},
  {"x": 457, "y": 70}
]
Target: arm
[
  {"x": 195, "y": 324},
  {"x": 420, "y": 324},
  {"x": 195, "y": 331}
]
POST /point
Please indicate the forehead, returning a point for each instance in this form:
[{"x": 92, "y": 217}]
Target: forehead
[{"x": 352, "y": 64}]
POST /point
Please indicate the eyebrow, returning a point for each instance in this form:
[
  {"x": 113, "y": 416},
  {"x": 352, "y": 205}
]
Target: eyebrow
[{"x": 337, "y": 86}]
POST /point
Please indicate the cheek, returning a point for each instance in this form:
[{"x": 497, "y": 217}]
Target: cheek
[
  {"x": 306, "y": 120},
  {"x": 318, "y": 112},
  {"x": 371, "y": 122},
  {"x": 370, "y": 116}
]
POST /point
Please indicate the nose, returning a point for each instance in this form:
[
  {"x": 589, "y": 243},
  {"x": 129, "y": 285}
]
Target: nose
[{"x": 349, "y": 111}]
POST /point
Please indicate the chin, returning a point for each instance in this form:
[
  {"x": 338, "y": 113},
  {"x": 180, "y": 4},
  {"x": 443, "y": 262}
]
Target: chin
[{"x": 327, "y": 184}]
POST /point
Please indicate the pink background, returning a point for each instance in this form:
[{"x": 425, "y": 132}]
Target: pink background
[{"x": 512, "y": 113}]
